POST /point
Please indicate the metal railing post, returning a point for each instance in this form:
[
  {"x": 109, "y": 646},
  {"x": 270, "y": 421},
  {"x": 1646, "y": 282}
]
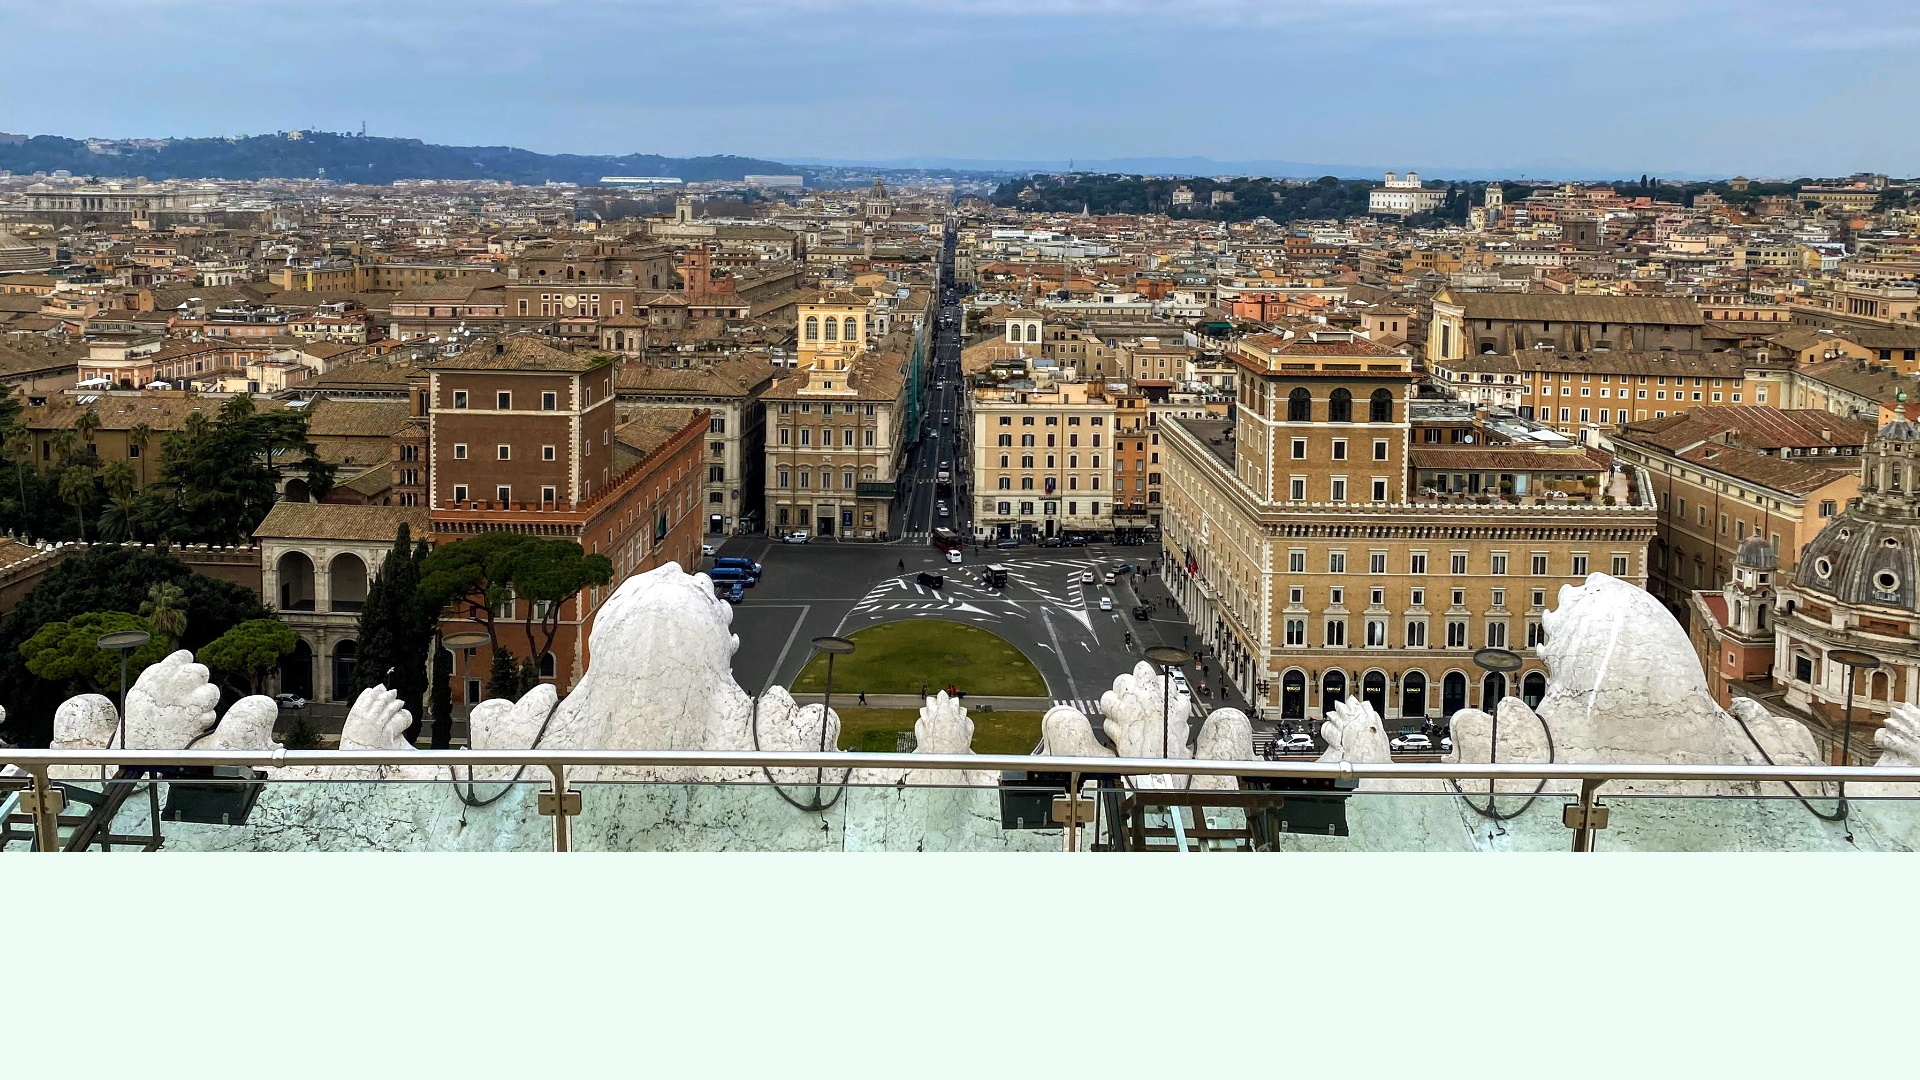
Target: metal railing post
[
  {"x": 1586, "y": 818},
  {"x": 562, "y": 804},
  {"x": 47, "y": 802}
]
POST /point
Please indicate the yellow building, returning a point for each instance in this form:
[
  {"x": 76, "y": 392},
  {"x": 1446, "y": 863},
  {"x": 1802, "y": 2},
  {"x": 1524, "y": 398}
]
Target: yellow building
[{"x": 832, "y": 330}]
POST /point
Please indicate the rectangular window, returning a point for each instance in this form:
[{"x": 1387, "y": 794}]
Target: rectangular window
[
  {"x": 503, "y": 494},
  {"x": 1499, "y": 564},
  {"x": 1579, "y": 566},
  {"x": 1296, "y": 594},
  {"x": 459, "y": 399},
  {"x": 1338, "y": 492},
  {"x": 1376, "y": 562},
  {"x": 1379, "y": 449},
  {"x": 547, "y": 495},
  {"x": 459, "y": 493},
  {"x": 460, "y": 451},
  {"x": 1379, "y": 489},
  {"x": 1339, "y": 449},
  {"x": 503, "y": 452},
  {"x": 1417, "y": 563},
  {"x": 1499, "y": 598},
  {"x": 1417, "y": 597},
  {"x": 1619, "y": 566},
  {"x": 1376, "y": 597},
  {"x": 549, "y": 401},
  {"x": 1336, "y": 562},
  {"x": 1539, "y": 564},
  {"x": 1297, "y": 489},
  {"x": 503, "y": 399},
  {"x": 1458, "y": 563},
  {"x": 1299, "y": 449},
  {"x": 1539, "y": 598},
  {"x": 1296, "y": 562}
]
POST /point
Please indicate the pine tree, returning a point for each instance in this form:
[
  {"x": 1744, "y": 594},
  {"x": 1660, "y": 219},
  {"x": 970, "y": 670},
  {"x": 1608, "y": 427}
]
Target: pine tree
[
  {"x": 442, "y": 695},
  {"x": 504, "y": 680}
]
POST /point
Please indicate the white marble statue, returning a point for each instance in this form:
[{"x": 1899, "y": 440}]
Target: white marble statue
[
  {"x": 170, "y": 704},
  {"x": 248, "y": 725},
  {"x": 943, "y": 727},
  {"x": 1899, "y": 743},
  {"x": 87, "y": 722}
]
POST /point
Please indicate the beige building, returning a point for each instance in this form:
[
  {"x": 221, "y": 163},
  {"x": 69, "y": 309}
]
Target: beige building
[
  {"x": 1295, "y": 546},
  {"x": 1042, "y": 460},
  {"x": 833, "y": 444}
]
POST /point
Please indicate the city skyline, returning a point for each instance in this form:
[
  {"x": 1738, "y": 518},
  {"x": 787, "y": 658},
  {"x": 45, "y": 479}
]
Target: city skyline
[{"x": 1492, "y": 87}]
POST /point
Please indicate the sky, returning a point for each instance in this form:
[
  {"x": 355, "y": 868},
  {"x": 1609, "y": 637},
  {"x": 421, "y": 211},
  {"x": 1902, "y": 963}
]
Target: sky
[{"x": 1539, "y": 87}]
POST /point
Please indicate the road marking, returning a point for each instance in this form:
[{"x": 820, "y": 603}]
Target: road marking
[{"x": 791, "y": 635}]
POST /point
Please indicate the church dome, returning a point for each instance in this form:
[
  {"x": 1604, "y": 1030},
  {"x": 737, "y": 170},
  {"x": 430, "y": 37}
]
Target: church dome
[
  {"x": 1756, "y": 554},
  {"x": 1869, "y": 554}
]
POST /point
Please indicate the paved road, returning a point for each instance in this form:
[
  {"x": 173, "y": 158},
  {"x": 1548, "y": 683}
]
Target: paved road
[{"x": 939, "y": 444}]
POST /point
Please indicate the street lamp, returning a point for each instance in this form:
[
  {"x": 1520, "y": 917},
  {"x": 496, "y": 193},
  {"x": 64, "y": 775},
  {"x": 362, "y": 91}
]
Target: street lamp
[
  {"x": 832, "y": 646},
  {"x": 1503, "y": 661},
  {"x": 1168, "y": 658},
  {"x": 465, "y": 642},
  {"x": 1856, "y": 661},
  {"x": 125, "y": 641}
]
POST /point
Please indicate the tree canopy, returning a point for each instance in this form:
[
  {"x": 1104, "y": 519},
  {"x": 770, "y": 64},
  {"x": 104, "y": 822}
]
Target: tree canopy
[
  {"x": 69, "y": 652},
  {"x": 249, "y": 650},
  {"x": 476, "y": 578},
  {"x": 219, "y": 477}
]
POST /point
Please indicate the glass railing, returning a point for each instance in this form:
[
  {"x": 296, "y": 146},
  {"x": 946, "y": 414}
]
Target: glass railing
[{"x": 611, "y": 801}]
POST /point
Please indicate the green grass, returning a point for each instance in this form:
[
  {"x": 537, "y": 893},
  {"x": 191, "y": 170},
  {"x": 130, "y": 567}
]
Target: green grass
[
  {"x": 902, "y": 657},
  {"x": 994, "y": 732}
]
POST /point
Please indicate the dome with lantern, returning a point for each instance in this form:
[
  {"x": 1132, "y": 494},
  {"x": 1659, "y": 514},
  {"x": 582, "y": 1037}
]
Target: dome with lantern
[{"x": 1869, "y": 554}]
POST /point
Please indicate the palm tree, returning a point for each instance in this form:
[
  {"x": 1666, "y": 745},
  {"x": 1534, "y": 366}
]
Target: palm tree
[
  {"x": 119, "y": 480},
  {"x": 88, "y": 423},
  {"x": 19, "y": 447},
  {"x": 63, "y": 441},
  {"x": 76, "y": 489},
  {"x": 119, "y": 521},
  {"x": 137, "y": 437},
  {"x": 166, "y": 609}
]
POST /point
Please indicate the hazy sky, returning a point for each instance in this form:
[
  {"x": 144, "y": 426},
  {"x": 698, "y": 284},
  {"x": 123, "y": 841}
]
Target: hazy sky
[{"x": 1613, "y": 87}]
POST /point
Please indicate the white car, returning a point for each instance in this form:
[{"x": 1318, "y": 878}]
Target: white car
[
  {"x": 1087, "y": 578},
  {"x": 1106, "y": 603},
  {"x": 1180, "y": 684},
  {"x": 708, "y": 551},
  {"x": 1298, "y": 743},
  {"x": 797, "y": 536},
  {"x": 953, "y": 555},
  {"x": 1109, "y": 577},
  {"x": 945, "y": 510},
  {"x": 1411, "y": 743}
]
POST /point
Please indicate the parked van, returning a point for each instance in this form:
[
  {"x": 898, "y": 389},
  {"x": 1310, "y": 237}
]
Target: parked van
[
  {"x": 732, "y": 562},
  {"x": 731, "y": 574}
]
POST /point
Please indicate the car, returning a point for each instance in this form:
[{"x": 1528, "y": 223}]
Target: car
[
  {"x": 737, "y": 563},
  {"x": 1087, "y": 578},
  {"x": 1411, "y": 743},
  {"x": 931, "y": 581},
  {"x": 953, "y": 555},
  {"x": 707, "y": 550},
  {"x": 1446, "y": 744},
  {"x": 1298, "y": 743},
  {"x": 733, "y": 594},
  {"x": 1009, "y": 542},
  {"x": 1180, "y": 683},
  {"x": 797, "y": 536},
  {"x": 290, "y": 701},
  {"x": 1076, "y": 541},
  {"x": 1142, "y": 612},
  {"x": 1109, "y": 578},
  {"x": 1106, "y": 603},
  {"x": 944, "y": 510}
]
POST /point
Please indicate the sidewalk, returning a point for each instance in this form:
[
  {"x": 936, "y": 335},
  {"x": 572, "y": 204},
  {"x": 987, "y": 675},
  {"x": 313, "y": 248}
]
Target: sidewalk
[{"x": 851, "y": 700}]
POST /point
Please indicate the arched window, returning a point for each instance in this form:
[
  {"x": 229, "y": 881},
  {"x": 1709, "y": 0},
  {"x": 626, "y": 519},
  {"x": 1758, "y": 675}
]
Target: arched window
[
  {"x": 296, "y": 582},
  {"x": 833, "y": 328},
  {"x": 1453, "y": 694},
  {"x": 346, "y": 583},
  {"x": 1300, "y": 405},
  {"x": 1033, "y": 331},
  {"x": 1413, "y": 694},
  {"x": 345, "y": 655},
  {"x": 546, "y": 665},
  {"x": 1340, "y": 407},
  {"x": 813, "y": 328},
  {"x": 1293, "y": 695},
  {"x": 1380, "y": 407},
  {"x": 1373, "y": 688},
  {"x": 852, "y": 330},
  {"x": 1492, "y": 689},
  {"x": 1881, "y": 686},
  {"x": 1333, "y": 688},
  {"x": 1533, "y": 688}
]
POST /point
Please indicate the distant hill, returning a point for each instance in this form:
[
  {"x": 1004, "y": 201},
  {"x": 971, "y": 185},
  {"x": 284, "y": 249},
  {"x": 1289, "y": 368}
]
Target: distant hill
[{"x": 349, "y": 158}]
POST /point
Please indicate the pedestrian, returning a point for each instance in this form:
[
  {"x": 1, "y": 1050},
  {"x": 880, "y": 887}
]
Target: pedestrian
[
  {"x": 863, "y": 697},
  {"x": 903, "y": 566},
  {"x": 923, "y": 690}
]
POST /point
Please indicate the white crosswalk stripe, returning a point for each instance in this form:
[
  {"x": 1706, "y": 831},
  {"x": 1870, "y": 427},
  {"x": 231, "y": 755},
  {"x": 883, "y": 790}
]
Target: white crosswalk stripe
[{"x": 1087, "y": 707}]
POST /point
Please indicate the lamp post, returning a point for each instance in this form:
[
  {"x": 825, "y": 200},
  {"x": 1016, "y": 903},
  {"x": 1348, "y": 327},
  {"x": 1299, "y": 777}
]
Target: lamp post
[
  {"x": 465, "y": 642},
  {"x": 832, "y": 646},
  {"x": 125, "y": 641},
  {"x": 1855, "y": 661},
  {"x": 1503, "y": 661},
  {"x": 1168, "y": 658}
]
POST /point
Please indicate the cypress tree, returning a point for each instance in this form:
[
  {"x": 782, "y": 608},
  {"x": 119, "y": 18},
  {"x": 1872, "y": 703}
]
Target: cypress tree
[{"x": 442, "y": 686}]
